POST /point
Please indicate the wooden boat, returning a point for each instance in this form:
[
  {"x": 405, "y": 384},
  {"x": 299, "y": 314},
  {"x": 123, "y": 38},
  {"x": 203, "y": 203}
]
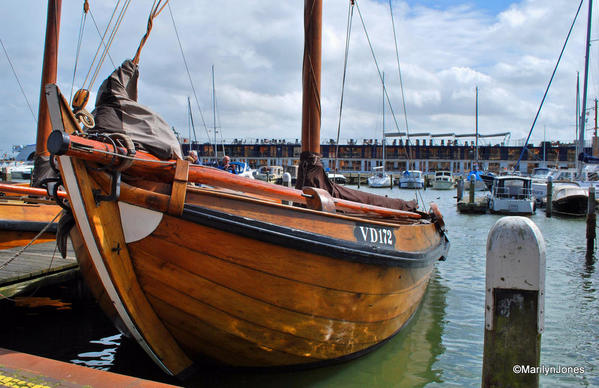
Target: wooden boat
[
  {"x": 230, "y": 273},
  {"x": 27, "y": 212}
]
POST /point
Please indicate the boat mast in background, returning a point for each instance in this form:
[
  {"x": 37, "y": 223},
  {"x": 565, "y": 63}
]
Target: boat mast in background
[
  {"x": 311, "y": 76},
  {"x": 49, "y": 67},
  {"x": 476, "y": 125},
  {"x": 584, "y": 87}
]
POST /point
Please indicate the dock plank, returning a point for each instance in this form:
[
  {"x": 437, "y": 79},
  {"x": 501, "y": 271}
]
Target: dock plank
[{"x": 39, "y": 264}]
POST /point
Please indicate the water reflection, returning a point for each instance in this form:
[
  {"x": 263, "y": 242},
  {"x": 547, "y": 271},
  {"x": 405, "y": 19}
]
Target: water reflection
[{"x": 102, "y": 359}]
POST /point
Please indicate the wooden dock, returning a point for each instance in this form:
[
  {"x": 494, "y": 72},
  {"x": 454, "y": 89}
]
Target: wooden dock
[
  {"x": 25, "y": 370},
  {"x": 39, "y": 265}
]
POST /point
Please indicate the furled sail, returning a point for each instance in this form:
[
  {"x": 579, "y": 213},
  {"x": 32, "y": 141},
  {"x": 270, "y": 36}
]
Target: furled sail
[
  {"x": 311, "y": 173},
  {"x": 117, "y": 111}
]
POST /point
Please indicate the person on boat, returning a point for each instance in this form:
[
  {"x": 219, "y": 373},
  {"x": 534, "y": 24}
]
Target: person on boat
[
  {"x": 226, "y": 165},
  {"x": 193, "y": 157}
]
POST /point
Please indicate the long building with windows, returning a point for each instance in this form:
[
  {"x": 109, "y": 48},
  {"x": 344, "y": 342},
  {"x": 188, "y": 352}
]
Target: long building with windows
[{"x": 421, "y": 155}]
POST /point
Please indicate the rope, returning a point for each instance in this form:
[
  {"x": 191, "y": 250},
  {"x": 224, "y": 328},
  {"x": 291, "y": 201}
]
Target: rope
[
  {"x": 407, "y": 144},
  {"x": 18, "y": 81},
  {"x": 156, "y": 9},
  {"x": 79, "y": 40},
  {"x": 30, "y": 242},
  {"x": 189, "y": 75},
  {"x": 110, "y": 40},
  {"x": 91, "y": 66},
  {"x": 350, "y": 17},
  {"x": 101, "y": 37},
  {"x": 403, "y": 97},
  {"x": 524, "y": 148}
]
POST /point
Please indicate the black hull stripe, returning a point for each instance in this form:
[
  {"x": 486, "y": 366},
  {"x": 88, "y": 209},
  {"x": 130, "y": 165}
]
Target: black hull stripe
[
  {"x": 313, "y": 242},
  {"x": 26, "y": 226}
]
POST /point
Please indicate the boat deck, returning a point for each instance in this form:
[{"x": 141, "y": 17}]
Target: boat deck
[{"x": 39, "y": 265}]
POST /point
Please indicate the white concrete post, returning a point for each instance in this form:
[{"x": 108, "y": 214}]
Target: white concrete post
[{"x": 514, "y": 303}]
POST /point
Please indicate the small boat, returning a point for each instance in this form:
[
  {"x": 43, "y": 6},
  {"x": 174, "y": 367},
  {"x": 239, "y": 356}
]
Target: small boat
[
  {"x": 269, "y": 173},
  {"x": 569, "y": 199},
  {"x": 539, "y": 177},
  {"x": 337, "y": 178},
  {"x": 379, "y": 178},
  {"x": 479, "y": 183},
  {"x": 512, "y": 195},
  {"x": 20, "y": 170},
  {"x": 242, "y": 169},
  {"x": 443, "y": 180},
  {"x": 411, "y": 179}
]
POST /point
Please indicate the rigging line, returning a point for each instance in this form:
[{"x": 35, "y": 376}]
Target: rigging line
[
  {"x": 350, "y": 16},
  {"x": 407, "y": 143},
  {"x": 100, "y": 35},
  {"x": 18, "y": 81},
  {"x": 91, "y": 66},
  {"x": 524, "y": 148},
  {"x": 403, "y": 97},
  {"x": 189, "y": 76},
  {"x": 115, "y": 29},
  {"x": 79, "y": 40},
  {"x": 380, "y": 75}
]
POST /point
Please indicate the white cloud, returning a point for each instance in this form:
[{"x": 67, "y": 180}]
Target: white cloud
[{"x": 256, "y": 48}]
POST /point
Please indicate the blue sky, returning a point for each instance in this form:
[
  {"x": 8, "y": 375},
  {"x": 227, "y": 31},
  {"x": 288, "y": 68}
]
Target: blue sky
[{"x": 446, "y": 49}]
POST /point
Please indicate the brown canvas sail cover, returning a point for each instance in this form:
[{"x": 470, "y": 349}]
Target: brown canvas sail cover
[
  {"x": 311, "y": 173},
  {"x": 117, "y": 111}
]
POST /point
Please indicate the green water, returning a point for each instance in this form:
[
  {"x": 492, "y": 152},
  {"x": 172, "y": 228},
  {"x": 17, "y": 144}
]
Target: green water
[{"x": 441, "y": 346}]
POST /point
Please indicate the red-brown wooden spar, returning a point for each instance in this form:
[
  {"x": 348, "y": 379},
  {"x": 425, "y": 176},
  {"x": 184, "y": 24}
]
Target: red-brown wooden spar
[{"x": 150, "y": 167}]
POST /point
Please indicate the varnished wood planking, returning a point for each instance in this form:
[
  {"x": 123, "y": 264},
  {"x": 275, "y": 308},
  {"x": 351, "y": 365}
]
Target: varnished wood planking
[
  {"x": 304, "y": 297},
  {"x": 104, "y": 220},
  {"x": 153, "y": 271},
  {"x": 11, "y": 239},
  {"x": 413, "y": 238},
  {"x": 213, "y": 341},
  {"x": 303, "y": 267}
]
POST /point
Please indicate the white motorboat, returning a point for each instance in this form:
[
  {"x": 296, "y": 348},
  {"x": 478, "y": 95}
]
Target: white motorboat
[
  {"x": 411, "y": 179},
  {"x": 443, "y": 180},
  {"x": 512, "y": 195}
]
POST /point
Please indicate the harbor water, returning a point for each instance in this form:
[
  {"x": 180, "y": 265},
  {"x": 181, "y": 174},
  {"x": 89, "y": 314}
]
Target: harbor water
[{"x": 442, "y": 346}]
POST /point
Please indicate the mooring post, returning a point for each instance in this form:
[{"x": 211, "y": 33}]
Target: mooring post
[
  {"x": 549, "y": 197},
  {"x": 460, "y": 187},
  {"x": 5, "y": 174},
  {"x": 591, "y": 224},
  {"x": 359, "y": 179},
  {"x": 472, "y": 185},
  {"x": 391, "y": 183},
  {"x": 286, "y": 182},
  {"x": 514, "y": 304}
]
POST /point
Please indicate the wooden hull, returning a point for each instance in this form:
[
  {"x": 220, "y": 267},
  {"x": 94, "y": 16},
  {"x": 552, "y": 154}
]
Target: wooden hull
[
  {"x": 21, "y": 222},
  {"x": 247, "y": 282}
]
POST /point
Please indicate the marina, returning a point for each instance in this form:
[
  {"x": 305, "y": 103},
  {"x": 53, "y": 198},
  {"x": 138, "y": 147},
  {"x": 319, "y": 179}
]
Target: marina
[
  {"x": 131, "y": 255},
  {"x": 441, "y": 346}
]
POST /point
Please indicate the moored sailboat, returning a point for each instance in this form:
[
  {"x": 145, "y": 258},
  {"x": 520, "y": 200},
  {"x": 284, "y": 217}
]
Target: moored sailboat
[{"x": 230, "y": 272}]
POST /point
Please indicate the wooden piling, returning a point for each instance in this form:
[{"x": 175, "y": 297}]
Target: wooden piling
[
  {"x": 591, "y": 225},
  {"x": 549, "y": 197},
  {"x": 391, "y": 183},
  {"x": 359, "y": 179},
  {"x": 472, "y": 186},
  {"x": 514, "y": 304},
  {"x": 460, "y": 189},
  {"x": 5, "y": 174}
]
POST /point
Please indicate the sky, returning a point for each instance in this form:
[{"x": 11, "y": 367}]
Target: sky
[{"x": 447, "y": 48}]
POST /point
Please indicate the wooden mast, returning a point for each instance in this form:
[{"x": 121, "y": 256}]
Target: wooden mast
[
  {"x": 311, "y": 76},
  {"x": 48, "y": 74},
  {"x": 50, "y": 64}
]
